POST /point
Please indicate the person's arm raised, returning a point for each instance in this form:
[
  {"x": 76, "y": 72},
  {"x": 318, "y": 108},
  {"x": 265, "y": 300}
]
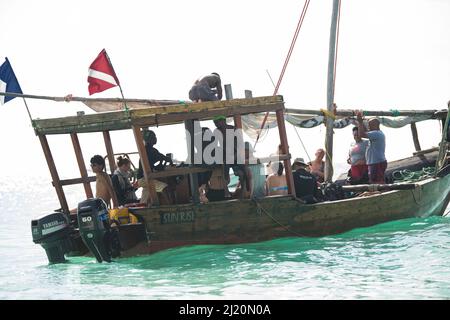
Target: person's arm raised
[{"x": 361, "y": 128}]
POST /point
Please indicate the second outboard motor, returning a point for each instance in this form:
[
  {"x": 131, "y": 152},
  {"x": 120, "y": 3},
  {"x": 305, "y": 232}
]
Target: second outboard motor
[
  {"x": 52, "y": 232},
  {"x": 95, "y": 230}
]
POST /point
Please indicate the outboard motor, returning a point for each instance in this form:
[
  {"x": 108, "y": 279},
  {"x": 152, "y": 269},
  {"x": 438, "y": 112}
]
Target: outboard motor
[
  {"x": 52, "y": 232},
  {"x": 93, "y": 221}
]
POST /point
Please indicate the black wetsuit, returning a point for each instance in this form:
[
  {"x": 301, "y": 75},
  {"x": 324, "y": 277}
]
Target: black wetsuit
[{"x": 305, "y": 186}]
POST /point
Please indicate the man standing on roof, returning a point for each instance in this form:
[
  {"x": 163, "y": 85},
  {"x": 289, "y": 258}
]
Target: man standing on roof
[
  {"x": 375, "y": 153},
  {"x": 209, "y": 88}
]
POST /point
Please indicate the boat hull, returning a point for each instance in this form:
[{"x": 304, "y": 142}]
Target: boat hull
[{"x": 247, "y": 221}]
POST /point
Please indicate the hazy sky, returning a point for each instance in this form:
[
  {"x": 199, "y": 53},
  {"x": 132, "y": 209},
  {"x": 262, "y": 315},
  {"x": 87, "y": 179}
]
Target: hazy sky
[{"x": 392, "y": 54}]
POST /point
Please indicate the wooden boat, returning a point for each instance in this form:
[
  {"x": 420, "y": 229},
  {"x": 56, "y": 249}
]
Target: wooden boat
[{"x": 234, "y": 221}]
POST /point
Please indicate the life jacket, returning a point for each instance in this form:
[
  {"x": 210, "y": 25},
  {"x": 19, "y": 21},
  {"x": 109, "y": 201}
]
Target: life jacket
[{"x": 122, "y": 215}]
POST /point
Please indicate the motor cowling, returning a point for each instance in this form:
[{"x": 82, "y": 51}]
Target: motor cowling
[
  {"x": 52, "y": 232},
  {"x": 93, "y": 221}
]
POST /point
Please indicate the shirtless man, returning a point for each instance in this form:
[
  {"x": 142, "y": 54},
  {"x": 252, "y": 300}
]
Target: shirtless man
[
  {"x": 103, "y": 186},
  {"x": 317, "y": 166},
  {"x": 202, "y": 90},
  {"x": 216, "y": 186}
]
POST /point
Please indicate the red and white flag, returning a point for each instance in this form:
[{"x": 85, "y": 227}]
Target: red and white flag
[{"x": 101, "y": 74}]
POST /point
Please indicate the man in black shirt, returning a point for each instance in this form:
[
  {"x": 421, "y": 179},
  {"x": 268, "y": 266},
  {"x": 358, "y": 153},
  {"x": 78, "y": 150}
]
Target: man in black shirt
[
  {"x": 156, "y": 159},
  {"x": 305, "y": 183}
]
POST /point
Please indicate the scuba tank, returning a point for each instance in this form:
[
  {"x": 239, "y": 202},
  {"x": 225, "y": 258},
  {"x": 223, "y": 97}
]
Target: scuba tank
[{"x": 95, "y": 230}]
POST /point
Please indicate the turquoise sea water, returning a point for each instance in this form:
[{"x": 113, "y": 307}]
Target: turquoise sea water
[{"x": 407, "y": 259}]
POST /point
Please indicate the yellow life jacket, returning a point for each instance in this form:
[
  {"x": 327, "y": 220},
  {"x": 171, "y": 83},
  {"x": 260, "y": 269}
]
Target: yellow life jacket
[{"x": 122, "y": 215}]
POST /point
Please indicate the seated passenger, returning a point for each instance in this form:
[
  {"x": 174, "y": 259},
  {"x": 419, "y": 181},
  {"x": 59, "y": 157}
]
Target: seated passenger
[
  {"x": 157, "y": 162},
  {"x": 103, "y": 185},
  {"x": 317, "y": 166},
  {"x": 255, "y": 174},
  {"x": 357, "y": 159},
  {"x": 125, "y": 191},
  {"x": 276, "y": 182},
  {"x": 305, "y": 182}
]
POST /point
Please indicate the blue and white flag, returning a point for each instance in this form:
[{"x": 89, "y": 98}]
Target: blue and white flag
[{"x": 8, "y": 81}]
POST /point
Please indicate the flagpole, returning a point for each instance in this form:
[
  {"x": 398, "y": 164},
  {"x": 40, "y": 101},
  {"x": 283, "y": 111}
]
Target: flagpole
[
  {"x": 84, "y": 99},
  {"x": 28, "y": 110},
  {"x": 120, "y": 87}
]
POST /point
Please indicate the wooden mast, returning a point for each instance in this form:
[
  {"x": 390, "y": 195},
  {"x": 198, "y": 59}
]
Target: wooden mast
[{"x": 328, "y": 175}]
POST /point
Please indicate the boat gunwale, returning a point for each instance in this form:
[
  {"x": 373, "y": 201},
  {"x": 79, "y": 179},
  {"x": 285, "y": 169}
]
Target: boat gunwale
[{"x": 173, "y": 207}]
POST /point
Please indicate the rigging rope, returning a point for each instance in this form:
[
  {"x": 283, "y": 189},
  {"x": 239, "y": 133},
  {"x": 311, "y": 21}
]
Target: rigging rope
[
  {"x": 301, "y": 141},
  {"x": 286, "y": 61},
  {"x": 275, "y": 220},
  {"x": 291, "y": 48}
]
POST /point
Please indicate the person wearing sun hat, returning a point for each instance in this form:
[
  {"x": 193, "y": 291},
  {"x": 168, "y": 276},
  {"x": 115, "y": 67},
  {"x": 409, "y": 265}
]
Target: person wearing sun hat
[{"x": 305, "y": 183}]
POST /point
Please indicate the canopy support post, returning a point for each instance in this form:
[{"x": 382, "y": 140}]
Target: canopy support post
[
  {"x": 229, "y": 95},
  {"x": 109, "y": 151},
  {"x": 285, "y": 150},
  {"x": 193, "y": 178},
  {"x": 81, "y": 165},
  {"x": 54, "y": 173},
  {"x": 145, "y": 164}
]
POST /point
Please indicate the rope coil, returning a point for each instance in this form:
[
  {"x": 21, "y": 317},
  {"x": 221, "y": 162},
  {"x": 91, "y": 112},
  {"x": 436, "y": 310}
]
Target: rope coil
[{"x": 328, "y": 114}]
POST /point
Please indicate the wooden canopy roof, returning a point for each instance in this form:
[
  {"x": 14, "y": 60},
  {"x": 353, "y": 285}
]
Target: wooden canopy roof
[{"x": 156, "y": 116}]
